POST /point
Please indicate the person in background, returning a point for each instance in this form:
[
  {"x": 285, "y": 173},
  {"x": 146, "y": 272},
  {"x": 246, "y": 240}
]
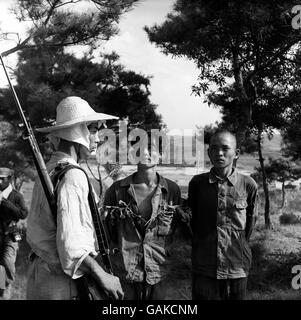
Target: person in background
[{"x": 12, "y": 209}]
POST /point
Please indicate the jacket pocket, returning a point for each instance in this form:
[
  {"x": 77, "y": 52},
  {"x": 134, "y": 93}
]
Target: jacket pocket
[
  {"x": 241, "y": 204},
  {"x": 239, "y": 216}
]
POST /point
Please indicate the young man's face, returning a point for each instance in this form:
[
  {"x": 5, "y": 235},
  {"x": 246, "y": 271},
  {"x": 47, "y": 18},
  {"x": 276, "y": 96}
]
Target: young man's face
[
  {"x": 85, "y": 153},
  {"x": 148, "y": 154},
  {"x": 222, "y": 150},
  {"x": 94, "y": 139},
  {"x": 4, "y": 183},
  {"x": 150, "y": 157}
]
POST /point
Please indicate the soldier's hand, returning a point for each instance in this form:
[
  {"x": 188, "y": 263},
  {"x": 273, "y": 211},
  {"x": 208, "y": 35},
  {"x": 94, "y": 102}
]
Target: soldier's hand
[
  {"x": 112, "y": 286},
  {"x": 107, "y": 281}
]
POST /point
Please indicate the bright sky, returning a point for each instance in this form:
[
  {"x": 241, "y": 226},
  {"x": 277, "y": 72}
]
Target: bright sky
[{"x": 172, "y": 77}]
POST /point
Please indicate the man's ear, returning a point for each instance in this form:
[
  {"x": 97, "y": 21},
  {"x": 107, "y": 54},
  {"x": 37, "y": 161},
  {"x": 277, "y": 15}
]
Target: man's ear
[
  {"x": 208, "y": 152},
  {"x": 237, "y": 153}
]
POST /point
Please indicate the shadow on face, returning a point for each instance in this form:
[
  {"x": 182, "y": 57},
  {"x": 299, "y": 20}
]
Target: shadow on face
[
  {"x": 4, "y": 182},
  {"x": 144, "y": 152}
]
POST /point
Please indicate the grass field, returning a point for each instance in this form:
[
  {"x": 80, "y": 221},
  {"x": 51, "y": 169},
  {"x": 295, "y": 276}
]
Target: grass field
[{"x": 275, "y": 251}]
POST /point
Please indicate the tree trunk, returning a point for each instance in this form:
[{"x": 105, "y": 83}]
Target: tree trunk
[
  {"x": 245, "y": 117},
  {"x": 267, "y": 217},
  {"x": 283, "y": 195}
]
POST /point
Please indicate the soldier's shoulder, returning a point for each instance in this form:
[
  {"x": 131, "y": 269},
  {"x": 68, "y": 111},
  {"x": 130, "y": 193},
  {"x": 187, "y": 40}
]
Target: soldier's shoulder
[
  {"x": 248, "y": 180},
  {"x": 200, "y": 177},
  {"x": 172, "y": 185},
  {"x": 118, "y": 183},
  {"x": 16, "y": 193},
  {"x": 75, "y": 175}
]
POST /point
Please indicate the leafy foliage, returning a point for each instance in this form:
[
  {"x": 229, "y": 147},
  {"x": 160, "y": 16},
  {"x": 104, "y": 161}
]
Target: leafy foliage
[
  {"x": 281, "y": 170},
  {"x": 46, "y": 73},
  {"x": 14, "y": 153},
  {"x": 59, "y": 23},
  {"x": 245, "y": 51},
  {"x": 46, "y": 77},
  {"x": 292, "y": 134}
]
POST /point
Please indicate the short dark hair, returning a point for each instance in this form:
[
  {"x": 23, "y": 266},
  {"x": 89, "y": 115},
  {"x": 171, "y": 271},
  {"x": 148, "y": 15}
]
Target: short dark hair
[{"x": 219, "y": 132}]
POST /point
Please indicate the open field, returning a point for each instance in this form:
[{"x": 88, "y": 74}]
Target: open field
[{"x": 275, "y": 251}]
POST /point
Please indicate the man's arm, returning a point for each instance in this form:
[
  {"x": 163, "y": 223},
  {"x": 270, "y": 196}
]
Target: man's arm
[
  {"x": 14, "y": 211},
  {"x": 252, "y": 208},
  {"x": 108, "y": 282},
  {"x": 189, "y": 201},
  {"x": 177, "y": 196},
  {"x": 183, "y": 212},
  {"x": 75, "y": 233}
]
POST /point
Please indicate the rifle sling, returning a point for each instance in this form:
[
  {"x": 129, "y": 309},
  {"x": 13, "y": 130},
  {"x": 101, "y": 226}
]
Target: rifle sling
[{"x": 56, "y": 177}]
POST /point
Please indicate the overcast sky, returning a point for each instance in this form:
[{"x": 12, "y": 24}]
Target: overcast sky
[{"x": 172, "y": 77}]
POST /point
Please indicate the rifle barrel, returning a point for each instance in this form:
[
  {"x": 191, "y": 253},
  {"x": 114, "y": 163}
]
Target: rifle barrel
[
  {"x": 37, "y": 156},
  {"x": 15, "y": 97}
]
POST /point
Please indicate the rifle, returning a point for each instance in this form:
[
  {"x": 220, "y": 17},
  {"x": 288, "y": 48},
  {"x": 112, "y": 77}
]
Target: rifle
[
  {"x": 86, "y": 283},
  {"x": 37, "y": 156}
]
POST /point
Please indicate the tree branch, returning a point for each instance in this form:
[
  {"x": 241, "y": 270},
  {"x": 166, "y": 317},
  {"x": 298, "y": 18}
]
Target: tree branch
[
  {"x": 68, "y": 2},
  {"x": 51, "y": 10},
  {"x": 293, "y": 61},
  {"x": 274, "y": 58},
  {"x": 20, "y": 46}
]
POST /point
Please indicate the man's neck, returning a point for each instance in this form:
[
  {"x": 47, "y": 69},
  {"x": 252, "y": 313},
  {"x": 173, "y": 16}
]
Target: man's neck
[
  {"x": 69, "y": 149},
  {"x": 147, "y": 176},
  {"x": 223, "y": 172}
]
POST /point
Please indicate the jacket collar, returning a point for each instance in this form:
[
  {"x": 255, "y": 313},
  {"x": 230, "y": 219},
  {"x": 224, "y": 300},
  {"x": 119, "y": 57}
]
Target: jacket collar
[
  {"x": 232, "y": 178},
  {"x": 162, "y": 183}
]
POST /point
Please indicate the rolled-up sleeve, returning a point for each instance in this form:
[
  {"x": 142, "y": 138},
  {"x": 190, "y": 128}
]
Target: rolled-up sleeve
[{"x": 75, "y": 237}]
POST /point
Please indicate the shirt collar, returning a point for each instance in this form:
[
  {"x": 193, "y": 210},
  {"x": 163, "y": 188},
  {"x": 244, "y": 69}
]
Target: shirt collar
[
  {"x": 6, "y": 192},
  {"x": 232, "y": 178},
  {"x": 162, "y": 183},
  {"x": 59, "y": 157}
]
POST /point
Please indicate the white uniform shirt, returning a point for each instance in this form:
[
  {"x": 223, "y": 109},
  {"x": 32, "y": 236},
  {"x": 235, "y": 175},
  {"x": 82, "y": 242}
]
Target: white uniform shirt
[{"x": 65, "y": 246}]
